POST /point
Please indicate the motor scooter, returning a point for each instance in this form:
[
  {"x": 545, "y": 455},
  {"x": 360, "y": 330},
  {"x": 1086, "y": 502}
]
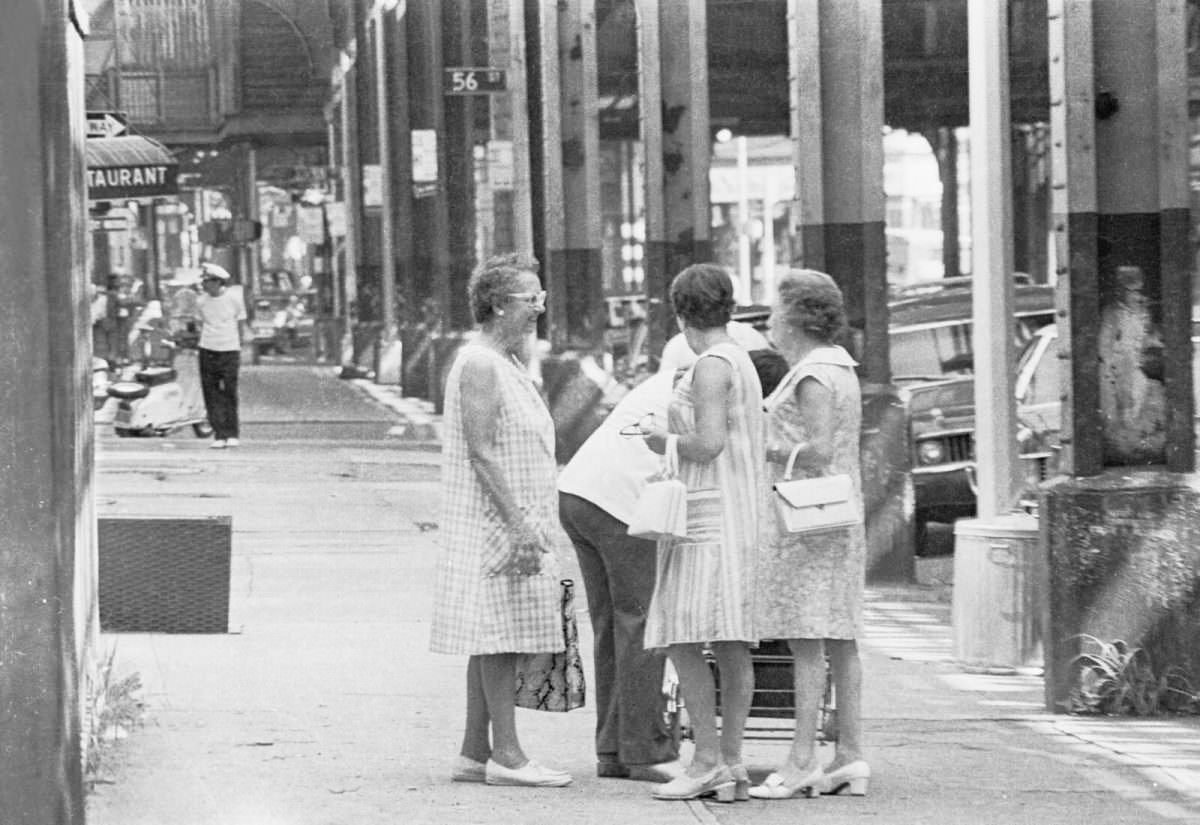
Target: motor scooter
[{"x": 162, "y": 396}]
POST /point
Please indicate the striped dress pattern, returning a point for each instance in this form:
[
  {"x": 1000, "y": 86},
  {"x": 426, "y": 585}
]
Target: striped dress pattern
[
  {"x": 704, "y": 591},
  {"x": 810, "y": 585},
  {"x": 474, "y": 611}
]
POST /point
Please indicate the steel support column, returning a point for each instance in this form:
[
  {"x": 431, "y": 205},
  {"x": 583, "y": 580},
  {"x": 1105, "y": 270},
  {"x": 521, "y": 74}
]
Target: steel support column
[
  {"x": 659, "y": 318},
  {"x": 571, "y": 175},
  {"x": 836, "y": 80},
  {"x": 1118, "y": 527},
  {"x": 687, "y": 137},
  {"x": 1120, "y": 135}
]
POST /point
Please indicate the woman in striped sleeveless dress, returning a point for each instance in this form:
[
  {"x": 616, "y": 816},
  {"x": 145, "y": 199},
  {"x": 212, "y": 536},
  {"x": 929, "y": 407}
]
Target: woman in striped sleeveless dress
[
  {"x": 705, "y": 583},
  {"x": 497, "y": 584}
]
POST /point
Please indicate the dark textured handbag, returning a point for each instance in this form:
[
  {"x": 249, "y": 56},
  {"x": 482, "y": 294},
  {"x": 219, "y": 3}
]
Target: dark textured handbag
[{"x": 554, "y": 681}]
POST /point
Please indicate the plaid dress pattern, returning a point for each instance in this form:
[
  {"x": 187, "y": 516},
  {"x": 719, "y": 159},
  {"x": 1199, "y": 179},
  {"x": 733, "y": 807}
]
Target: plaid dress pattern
[
  {"x": 704, "y": 591},
  {"x": 476, "y": 613}
]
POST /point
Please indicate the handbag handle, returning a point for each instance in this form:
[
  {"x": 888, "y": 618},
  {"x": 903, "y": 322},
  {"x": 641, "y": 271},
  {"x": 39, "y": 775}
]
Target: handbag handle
[
  {"x": 791, "y": 462},
  {"x": 671, "y": 456}
]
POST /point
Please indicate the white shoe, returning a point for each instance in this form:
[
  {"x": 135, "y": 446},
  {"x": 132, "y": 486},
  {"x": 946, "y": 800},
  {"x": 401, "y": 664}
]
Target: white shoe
[
  {"x": 218, "y": 445},
  {"x": 467, "y": 770},
  {"x": 530, "y": 775},
  {"x": 231, "y": 442}
]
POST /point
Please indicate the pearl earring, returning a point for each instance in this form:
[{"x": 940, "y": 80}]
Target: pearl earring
[{"x": 499, "y": 312}]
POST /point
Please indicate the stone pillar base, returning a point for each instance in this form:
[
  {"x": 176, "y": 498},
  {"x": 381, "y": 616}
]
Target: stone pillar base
[{"x": 1123, "y": 557}]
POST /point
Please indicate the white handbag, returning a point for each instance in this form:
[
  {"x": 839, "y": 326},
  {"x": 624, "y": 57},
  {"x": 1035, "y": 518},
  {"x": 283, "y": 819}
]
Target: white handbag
[
  {"x": 808, "y": 505},
  {"x": 661, "y": 510}
]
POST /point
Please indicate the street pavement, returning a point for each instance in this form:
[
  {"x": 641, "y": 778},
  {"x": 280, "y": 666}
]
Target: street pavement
[{"x": 322, "y": 705}]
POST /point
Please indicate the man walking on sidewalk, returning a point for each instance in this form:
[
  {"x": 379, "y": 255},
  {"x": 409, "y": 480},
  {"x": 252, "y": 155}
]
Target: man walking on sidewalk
[{"x": 222, "y": 312}]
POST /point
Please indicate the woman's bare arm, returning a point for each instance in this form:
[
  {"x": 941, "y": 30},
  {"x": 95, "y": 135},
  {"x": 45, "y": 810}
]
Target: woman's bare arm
[
  {"x": 815, "y": 402},
  {"x": 712, "y": 382}
]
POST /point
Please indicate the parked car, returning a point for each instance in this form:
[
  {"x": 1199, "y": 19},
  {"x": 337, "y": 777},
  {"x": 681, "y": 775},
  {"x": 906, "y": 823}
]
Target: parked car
[{"x": 282, "y": 317}]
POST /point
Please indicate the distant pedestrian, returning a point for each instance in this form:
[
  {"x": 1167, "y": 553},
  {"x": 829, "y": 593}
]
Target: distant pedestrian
[
  {"x": 809, "y": 586},
  {"x": 703, "y": 593},
  {"x": 221, "y": 314},
  {"x": 497, "y": 591}
]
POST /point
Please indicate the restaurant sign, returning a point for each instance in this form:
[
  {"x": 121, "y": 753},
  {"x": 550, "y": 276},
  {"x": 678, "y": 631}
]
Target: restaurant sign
[
  {"x": 130, "y": 167},
  {"x": 116, "y": 182}
]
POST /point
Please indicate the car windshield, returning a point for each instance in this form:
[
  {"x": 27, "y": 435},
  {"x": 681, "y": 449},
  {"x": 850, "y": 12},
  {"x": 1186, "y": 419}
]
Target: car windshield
[
  {"x": 945, "y": 349},
  {"x": 941, "y": 396}
]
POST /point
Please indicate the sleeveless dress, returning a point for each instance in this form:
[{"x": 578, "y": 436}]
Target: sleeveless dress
[
  {"x": 810, "y": 586},
  {"x": 704, "y": 590},
  {"x": 475, "y": 612}
]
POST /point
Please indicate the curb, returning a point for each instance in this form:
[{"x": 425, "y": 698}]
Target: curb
[{"x": 419, "y": 424}]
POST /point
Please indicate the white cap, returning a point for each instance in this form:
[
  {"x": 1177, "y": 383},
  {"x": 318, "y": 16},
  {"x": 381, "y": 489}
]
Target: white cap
[
  {"x": 677, "y": 355},
  {"x": 214, "y": 271}
]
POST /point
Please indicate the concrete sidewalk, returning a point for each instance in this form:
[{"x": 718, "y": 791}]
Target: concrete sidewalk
[{"x": 324, "y": 707}]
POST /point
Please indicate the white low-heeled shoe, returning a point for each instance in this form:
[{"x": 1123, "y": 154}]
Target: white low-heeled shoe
[
  {"x": 466, "y": 769},
  {"x": 529, "y": 775},
  {"x": 717, "y": 782},
  {"x": 853, "y": 777},
  {"x": 776, "y": 787}
]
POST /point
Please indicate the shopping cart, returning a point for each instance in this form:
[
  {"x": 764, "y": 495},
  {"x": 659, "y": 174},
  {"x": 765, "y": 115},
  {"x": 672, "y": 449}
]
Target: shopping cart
[{"x": 772, "y": 708}]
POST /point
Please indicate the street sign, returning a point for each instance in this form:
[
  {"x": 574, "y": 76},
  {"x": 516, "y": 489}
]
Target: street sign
[
  {"x": 465, "y": 80},
  {"x": 105, "y": 124}
]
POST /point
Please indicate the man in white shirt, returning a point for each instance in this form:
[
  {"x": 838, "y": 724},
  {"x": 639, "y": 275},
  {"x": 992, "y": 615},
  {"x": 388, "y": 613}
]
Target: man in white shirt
[
  {"x": 597, "y": 493},
  {"x": 221, "y": 314}
]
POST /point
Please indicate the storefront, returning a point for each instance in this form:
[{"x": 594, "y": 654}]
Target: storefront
[{"x": 131, "y": 180}]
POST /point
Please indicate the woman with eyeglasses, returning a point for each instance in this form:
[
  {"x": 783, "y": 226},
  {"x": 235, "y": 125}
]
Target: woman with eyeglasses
[
  {"x": 704, "y": 587},
  {"x": 497, "y": 584}
]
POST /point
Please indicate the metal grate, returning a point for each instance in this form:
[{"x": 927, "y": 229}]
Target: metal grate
[{"x": 164, "y": 574}]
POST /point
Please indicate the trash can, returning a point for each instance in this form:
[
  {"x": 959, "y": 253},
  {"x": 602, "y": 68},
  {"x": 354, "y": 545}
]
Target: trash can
[{"x": 998, "y": 595}]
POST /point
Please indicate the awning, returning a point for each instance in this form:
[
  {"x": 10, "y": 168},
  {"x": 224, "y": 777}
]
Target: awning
[{"x": 131, "y": 166}]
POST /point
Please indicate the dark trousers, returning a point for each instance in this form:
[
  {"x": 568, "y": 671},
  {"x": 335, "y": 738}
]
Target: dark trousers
[
  {"x": 219, "y": 383},
  {"x": 618, "y": 575}
]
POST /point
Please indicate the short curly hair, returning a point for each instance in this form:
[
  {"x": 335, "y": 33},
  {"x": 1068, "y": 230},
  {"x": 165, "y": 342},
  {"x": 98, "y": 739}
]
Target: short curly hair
[
  {"x": 812, "y": 302},
  {"x": 702, "y": 295},
  {"x": 493, "y": 280}
]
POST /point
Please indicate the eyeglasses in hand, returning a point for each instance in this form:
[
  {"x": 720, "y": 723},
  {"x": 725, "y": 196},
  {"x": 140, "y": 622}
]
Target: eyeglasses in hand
[{"x": 638, "y": 428}]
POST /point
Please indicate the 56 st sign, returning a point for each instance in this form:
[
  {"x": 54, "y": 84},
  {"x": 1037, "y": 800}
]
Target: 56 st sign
[{"x": 465, "y": 80}]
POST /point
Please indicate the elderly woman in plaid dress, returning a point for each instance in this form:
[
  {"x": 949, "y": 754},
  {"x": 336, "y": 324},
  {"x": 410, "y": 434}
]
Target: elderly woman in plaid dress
[{"x": 497, "y": 584}]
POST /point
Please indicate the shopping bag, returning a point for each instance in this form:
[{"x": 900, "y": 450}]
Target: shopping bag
[
  {"x": 811, "y": 504},
  {"x": 661, "y": 510},
  {"x": 554, "y": 681}
]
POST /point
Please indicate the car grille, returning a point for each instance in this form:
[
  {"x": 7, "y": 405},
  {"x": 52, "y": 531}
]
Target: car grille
[{"x": 960, "y": 447}]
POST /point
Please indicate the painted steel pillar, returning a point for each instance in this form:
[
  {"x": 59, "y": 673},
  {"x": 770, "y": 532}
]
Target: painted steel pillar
[
  {"x": 571, "y": 175},
  {"x": 673, "y": 105},
  {"x": 836, "y": 84},
  {"x": 1119, "y": 98},
  {"x": 427, "y": 114},
  {"x": 1118, "y": 526},
  {"x": 47, "y": 522},
  {"x": 687, "y": 136},
  {"x": 657, "y": 278},
  {"x": 835, "y": 79},
  {"x": 991, "y": 258}
]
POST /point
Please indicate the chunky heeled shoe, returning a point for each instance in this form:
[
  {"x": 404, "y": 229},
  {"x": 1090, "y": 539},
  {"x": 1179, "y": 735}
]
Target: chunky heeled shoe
[
  {"x": 776, "y": 787},
  {"x": 716, "y": 782},
  {"x": 741, "y": 783},
  {"x": 853, "y": 777}
]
